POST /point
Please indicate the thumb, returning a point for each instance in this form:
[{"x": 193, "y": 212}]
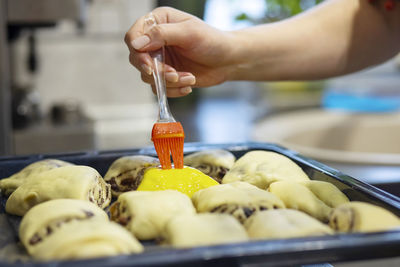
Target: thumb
[{"x": 159, "y": 35}]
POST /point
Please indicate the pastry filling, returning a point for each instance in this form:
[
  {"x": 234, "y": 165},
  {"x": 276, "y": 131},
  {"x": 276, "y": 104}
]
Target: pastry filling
[
  {"x": 52, "y": 226},
  {"x": 119, "y": 214},
  {"x": 127, "y": 181},
  {"x": 100, "y": 194},
  {"x": 241, "y": 212},
  {"x": 344, "y": 222}
]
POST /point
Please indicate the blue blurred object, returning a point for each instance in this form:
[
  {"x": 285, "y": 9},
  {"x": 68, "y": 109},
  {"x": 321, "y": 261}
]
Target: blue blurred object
[{"x": 361, "y": 100}]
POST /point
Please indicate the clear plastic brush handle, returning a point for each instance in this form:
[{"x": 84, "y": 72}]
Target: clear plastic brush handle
[{"x": 164, "y": 114}]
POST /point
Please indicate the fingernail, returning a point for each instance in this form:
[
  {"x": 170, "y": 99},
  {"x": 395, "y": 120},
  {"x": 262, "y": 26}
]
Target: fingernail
[
  {"x": 188, "y": 80},
  {"x": 146, "y": 68},
  {"x": 141, "y": 42},
  {"x": 186, "y": 90},
  {"x": 171, "y": 77}
]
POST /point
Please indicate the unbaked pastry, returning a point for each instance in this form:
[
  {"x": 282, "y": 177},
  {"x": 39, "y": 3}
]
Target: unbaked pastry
[
  {"x": 284, "y": 223},
  {"x": 8, "y": 185},
  {"x": 145, "y": 213},
  {"x": 76, "y": 182},
  {"x": 126, "y": 173},
  {"x": 326, "y": 192},
  {"x": 204, "y": 229},
  {"x": 261, "y": 168},
  {"x": 213, "y": 162},
  {"x": 87, "y": 239},
  {"x": 298, "y": 197},
  {"x": 46, "y": 218},
  {"x": 358, "y": 216},
  {"x": 240, "y": 199}
]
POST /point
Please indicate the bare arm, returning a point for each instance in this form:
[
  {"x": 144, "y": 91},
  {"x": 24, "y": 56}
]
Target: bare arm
[{"x": 335, "y": 38}]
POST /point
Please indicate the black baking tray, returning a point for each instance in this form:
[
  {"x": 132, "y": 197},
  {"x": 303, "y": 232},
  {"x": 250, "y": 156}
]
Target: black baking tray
[{"x": 299, "y": 251}]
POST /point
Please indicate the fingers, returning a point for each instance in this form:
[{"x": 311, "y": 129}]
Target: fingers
[
  {"x": 175, "y": 91},
  {"x": 170, "y": 30},
  {"x": 160, "y": 35},
  {"x": 178, "y": 83},
  {"x": 144, "y": 63},
  {"x": 140, "y": 38},
  {"x": 173, "y": 79},
  {"x": 141, "y": 61}
]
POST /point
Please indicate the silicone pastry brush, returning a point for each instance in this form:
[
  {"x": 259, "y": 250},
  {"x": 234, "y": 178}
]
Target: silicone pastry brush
[{"x": 167, "y": 134}]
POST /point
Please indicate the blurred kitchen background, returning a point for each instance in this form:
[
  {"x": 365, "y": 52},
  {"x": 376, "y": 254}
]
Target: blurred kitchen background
[{"x": 67, "y": 85}]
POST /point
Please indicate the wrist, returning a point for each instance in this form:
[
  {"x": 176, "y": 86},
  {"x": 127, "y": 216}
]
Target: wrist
[
  {"x": 251, "y": 51},
  {"x": 240, "y": 55}
]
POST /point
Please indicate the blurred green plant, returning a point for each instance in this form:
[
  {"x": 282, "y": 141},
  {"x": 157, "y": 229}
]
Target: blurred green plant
[{"x": 280, "y": 9}]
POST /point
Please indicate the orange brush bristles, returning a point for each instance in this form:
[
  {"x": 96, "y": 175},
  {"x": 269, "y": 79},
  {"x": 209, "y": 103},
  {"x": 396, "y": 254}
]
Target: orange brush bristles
[{"x": 168, "y": 140}]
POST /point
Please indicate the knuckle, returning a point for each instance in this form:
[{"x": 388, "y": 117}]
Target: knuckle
[
  {"x": 157, "y": 34},
  {"x": 162, "y": 9},
  {"x": 156, "y": 30}
]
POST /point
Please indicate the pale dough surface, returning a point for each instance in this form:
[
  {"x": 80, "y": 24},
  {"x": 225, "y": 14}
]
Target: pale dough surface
[
  {"x": 358, "y": 216},
  {"x": 326, "y": 192},
  {"x": 261, "y": 168},
  {"x": 284, "y": 223},
  {"x": 76, "y": 182},
  {"x": 217, "y": 157},
  {"x": 204, "y": 229},
  {"x": 87, "y": 239},
  {"x": 145, "y": 213},
  {"x": 299, "y": 197},
  {"x": 235, "y": 193},
  {"x": 8, "y": 185},
  {"x": 239, "y": 199},
  {"x": 46, "y": 218}
]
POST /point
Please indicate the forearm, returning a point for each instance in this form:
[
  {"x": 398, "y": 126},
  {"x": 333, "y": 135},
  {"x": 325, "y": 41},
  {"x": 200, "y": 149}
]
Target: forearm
[{"x": 336, "y": 38}]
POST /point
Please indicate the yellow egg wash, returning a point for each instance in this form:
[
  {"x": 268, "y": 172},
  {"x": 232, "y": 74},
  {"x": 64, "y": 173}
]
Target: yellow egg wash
[{"x": 187, "y": 180}]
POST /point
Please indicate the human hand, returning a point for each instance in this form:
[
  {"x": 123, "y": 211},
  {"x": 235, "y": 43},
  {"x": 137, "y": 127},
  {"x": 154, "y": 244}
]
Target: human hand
[{"x": 196, "y": 54}]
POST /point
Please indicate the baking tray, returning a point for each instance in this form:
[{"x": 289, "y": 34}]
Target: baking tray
[{"x": 298, "y": 251}]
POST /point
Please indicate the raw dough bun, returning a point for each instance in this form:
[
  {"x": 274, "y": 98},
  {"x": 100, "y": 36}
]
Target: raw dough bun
[
  {"x": 145, "y": 213},
  {"x": 298, "y": 197},
  {"x": 261, "y": 168},
  {"x": 240, "y": 199},
  {"x": 126, "y": 173},
  {"x": 284, "y": 223},
  {"x": 87, "y": 239},
  {"x": 357, "y": 216},
  {"x": 8, "y": 185},
  {"x": 46, "y": 218},
  {"x": 326, "y": 192},
  {"x": 203, "y": 230},
  {"x": 76, "y": 182},
  {"x": 214, "y": 162}
]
